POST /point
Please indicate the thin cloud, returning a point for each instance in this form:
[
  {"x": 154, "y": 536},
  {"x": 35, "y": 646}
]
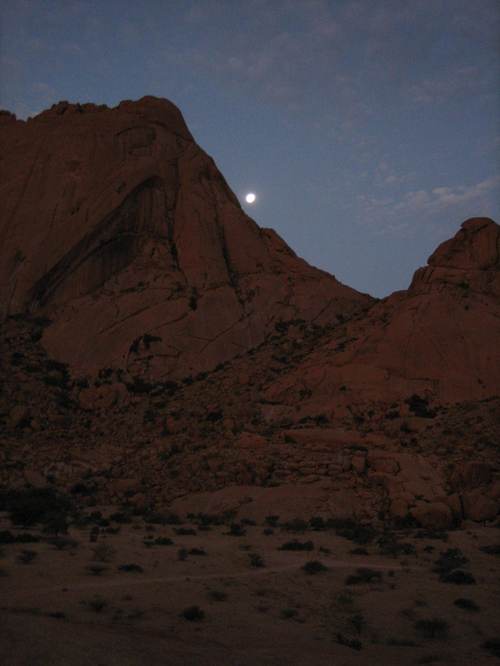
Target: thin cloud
[{"x": 441, "y": 198}]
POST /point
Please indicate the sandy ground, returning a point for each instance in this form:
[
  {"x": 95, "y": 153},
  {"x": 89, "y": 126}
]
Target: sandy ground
[{"x": 55, "y": 610}]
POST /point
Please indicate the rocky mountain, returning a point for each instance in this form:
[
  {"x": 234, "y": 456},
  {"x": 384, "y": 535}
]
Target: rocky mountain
[
  {"x": 118, "y": 227},
  {"x": 439, "y": 339},
  {"x": 159, "y": 348}
]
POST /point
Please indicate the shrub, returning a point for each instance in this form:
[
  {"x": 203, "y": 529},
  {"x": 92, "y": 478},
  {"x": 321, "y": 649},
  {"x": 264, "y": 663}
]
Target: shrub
[
  {"x": 6, "y": 536},
  {"x": 458, "y": 577},
  {"x": 185, "y": 531},
  {"x": 389, "y": 545},
  {"x": 466, "y": 604},
  {"x": 420, "y": 407},
  {"x": 33, "y": 506},
  {"x": 256, "y": 560},
  {"x": 359, "y": 533},
  {"x": 63, "y": 543},
  {"x": 193, "y": 614},
  {"x": 272, "y": 521},
  {"x": 358, "y": 622},
  {"x": 297, "y": 545},
  {"x": 96, "y": 569},
  {"x": 352, "y": 643},
  {"x": 97, "y": 604},
  {"x": 27, "y": 556},
  {"x": 217, "y": 595},
  {"x": 206, "y": 519},
  {"x": 314, "y": 567},
  {"x": 236, "y": 530},
  {"x": 296, "y": 525},
  {"x": 197, "y": 551},
  {"x": 493, "y": 646},
  {"x": 434, "y": 628},
  {"x": 131, "y": 568},
  {"x": 317, "y": 523},
  {"x": 364, "y": 576},
  {"x": 154, "y": 518},
  {"x": 159, "y": 541},
  {"x": 429, "y": 533},
  {"x": 491, "y": 550},
  {"x": 452, "y": 558},
  {"x": 214, "y": 416}
]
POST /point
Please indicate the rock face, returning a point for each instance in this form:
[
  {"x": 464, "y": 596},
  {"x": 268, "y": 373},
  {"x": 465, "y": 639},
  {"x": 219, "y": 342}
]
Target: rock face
[
  {"x": 438, "y": 340},
  {"x": 121, "y": 230}
]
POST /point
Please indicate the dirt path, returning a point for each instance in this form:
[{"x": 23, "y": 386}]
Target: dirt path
[{"x": 250, "y": 573}]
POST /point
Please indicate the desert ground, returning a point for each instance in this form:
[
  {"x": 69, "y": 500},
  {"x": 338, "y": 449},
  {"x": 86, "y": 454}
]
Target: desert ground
[{"x": 155, "y": 589}]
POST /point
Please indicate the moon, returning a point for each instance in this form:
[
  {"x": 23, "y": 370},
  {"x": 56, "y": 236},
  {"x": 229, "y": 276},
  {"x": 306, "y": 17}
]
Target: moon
[{"x": 250, "y": 198}]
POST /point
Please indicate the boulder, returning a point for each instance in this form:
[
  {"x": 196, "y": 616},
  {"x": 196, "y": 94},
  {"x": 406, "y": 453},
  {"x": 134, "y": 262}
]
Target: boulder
[
  {"x": 433, "y": 515},
  {"x": 18, "y": 416},
  {"x": 471, "y": 475},
  {"x": 479, "y": 507}
]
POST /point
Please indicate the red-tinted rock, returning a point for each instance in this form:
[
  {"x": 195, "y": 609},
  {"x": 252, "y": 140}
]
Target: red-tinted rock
[
  {"x": 435, "y": 515},
  {"x": 479, "y": 507},
  {"x": 438, "y": 340},
  {"x": 119, "y": 228},
  {"x": 471, "y": 475}
]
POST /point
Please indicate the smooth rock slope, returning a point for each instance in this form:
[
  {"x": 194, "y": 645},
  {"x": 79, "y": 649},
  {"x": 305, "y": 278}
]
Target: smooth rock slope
[
  {"x": 116, "y": 226},
  {"x": 439, "y": 339}
]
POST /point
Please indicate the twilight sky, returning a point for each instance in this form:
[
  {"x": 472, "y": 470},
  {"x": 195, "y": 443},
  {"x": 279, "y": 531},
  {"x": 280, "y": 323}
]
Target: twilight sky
[{"x": 369, "y": 129}]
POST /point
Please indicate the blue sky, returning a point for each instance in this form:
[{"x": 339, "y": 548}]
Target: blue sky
[{"x": 368, "y": 129}]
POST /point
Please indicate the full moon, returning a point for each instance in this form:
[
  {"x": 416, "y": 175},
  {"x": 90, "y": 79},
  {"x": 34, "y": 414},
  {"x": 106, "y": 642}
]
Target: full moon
[{"x": 250, "y": 198}]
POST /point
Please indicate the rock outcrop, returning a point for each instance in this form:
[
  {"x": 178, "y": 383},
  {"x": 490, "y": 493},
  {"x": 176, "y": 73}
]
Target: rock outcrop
[
  {"x": 436, "y": 341},
  {"x": 116, "y": 226}
]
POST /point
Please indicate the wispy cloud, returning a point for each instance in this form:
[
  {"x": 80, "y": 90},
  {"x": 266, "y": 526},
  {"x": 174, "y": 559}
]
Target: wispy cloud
[
  {"x": 392, "y": 215},
  {"x": 441, "y": 198},
  {"x": 452, "y": 84}
]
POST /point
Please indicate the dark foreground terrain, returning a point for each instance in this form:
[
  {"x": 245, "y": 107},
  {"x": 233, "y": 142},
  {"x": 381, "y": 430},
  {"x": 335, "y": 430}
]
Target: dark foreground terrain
[{"x": 121, "y": 589}]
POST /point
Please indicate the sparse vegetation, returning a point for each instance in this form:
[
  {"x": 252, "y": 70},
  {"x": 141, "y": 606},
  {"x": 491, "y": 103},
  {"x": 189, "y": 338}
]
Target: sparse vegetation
[
  {"x": 197, "y": 551},
  {"x": 458, "y": 577},
  {"x": 32, "y": 506},
  {"x": 493, "y": 646},
  {"x": 314, "y": 567},
  {"x": 130, "y": 568},
  {"x": 256, "y": 560},
  {"x": 193, "y": 614},
  {"x": 432, "y": 629},
  {"x": 159, "y": 541},
  {"x": 96, "y": 569},
  {"x": 491, "y": 550},
  {"x": 185, "y": 531},
  {"x": 352, "y": 643},
  {"x": 97, "y": 604},
  {"x": 451, "y": 559},
  {"x": 217, "y": 595},
  {"x": 363, "y": 577},
  {"x": 466, "y": 604},
  {"x": 27, "y": 556},
  {"x": 297, "y": 545},
  {"x": 236, "y": 530},
  {"x": 6, "y": 537}
]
